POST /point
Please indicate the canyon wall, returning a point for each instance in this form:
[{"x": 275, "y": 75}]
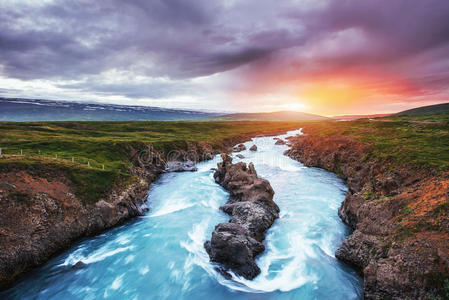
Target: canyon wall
[{"x": 399, "y": 214}]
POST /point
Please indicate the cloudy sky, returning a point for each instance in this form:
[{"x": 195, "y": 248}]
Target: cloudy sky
[{"x": 328, "y": 57}]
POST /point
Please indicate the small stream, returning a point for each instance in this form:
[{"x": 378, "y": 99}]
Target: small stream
[{"x": 161, "y": 255}]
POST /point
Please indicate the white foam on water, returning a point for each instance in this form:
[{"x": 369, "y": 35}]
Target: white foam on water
[
  {"x": 117, "y": 283},
  {"x": 129, "y": 259},
  {"x": 170, "y": 208},
  {"x": 144, "y": 270},
  {"x": 97, "y": 256},
  {"x": 284, "y": 263}
]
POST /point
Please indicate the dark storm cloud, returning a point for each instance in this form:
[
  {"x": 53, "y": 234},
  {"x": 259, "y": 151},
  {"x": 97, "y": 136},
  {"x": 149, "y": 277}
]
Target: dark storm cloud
[
  {"x": 155, "y": 90},
  {"x": 159, "y": 38},
  {"x": 185, "y": 39},
  {"x": 394, "y": 28}
]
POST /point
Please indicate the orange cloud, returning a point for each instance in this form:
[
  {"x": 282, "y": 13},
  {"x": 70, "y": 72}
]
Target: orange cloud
[
  {"x": 333, "y": 91},
  {"x": 340, "y": 92}
]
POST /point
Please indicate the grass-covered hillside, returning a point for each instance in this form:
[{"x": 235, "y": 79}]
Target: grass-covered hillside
[
  {"x": 437, "y": 109},
  {"x": 270, "y": 116},
  {"x": 421, "y": 140}
]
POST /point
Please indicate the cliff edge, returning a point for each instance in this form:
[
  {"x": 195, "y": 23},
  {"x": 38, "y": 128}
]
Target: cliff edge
[{"x": 399, "y": 214}]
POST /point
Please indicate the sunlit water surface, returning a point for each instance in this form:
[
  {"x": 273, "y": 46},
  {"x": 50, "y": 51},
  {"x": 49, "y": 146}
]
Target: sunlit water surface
[{"x": 161, "y": 255}]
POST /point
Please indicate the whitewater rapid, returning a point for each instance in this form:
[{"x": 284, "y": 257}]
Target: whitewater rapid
[{"x": 161, "y": 255}]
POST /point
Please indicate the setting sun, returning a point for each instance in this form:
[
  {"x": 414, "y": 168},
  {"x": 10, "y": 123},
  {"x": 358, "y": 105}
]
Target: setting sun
[{"x": 296, "y": 106}]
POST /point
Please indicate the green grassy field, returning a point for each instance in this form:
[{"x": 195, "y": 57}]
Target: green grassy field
[
  {"x": 102, "y": 142},
  {"x": 50, "y": 146},
  {"x": 421, "y": 140}
]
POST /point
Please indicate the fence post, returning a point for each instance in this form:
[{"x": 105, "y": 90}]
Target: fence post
[
  {"x": 39, "y": 152},
  {"x": 56, "y": 156},
  {"x": 73, "y": 159},
  {"x": 21, "y": 152},
  {"x": 88, "y": 163},
  {"x": 103, "y": 167}
]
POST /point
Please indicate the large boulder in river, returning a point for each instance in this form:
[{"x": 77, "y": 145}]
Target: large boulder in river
[
  {"x": 235, "y": 244},
  {"x": 79, "y": 265},
  {"x": 232, "y": 246},
  {"x": 253, "y": 148},
  {"x": 239, "y": 148},
  {"x": 280, "y": 142}
]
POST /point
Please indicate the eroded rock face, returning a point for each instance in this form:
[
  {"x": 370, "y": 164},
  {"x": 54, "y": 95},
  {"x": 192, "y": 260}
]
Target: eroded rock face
[
  {"x": 253, "y": 148},
  {"x": 49, "y": 217},
  {"x": 236, "y": 243},
  {"x": 400, "y": 241},
  {"x": 41, "y": 213}
]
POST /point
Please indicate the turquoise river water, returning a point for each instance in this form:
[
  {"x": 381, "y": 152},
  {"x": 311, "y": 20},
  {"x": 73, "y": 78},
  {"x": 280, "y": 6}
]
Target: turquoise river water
[{"x": 161, "y": 255}]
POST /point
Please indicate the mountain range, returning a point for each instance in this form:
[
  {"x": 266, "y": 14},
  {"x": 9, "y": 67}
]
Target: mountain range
[
  {"x": 35, "y": 110},
  {"x": 31, "y": 110},
  {"x": 271, "y": 116}
]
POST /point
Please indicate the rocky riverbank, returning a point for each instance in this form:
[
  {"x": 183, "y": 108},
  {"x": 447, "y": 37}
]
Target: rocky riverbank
[
  {"x": 41, "y": 213},
  {"x": 236, "y": 243},
  {"x": 399, "y": 214}
]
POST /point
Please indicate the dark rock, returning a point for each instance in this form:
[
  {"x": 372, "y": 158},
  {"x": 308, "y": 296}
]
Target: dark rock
[
  {"x": 253, "y": 148},
  {"x": 236, "y": 244},
  {"x": 239, "y": 148},
  {"x": 79, "y": 265},
  {"x": 224, "y": 273},
  {"x": 232, "y": 246},
  {"x": 240, "y": 156},
  {"x": 280, "y": 142}
]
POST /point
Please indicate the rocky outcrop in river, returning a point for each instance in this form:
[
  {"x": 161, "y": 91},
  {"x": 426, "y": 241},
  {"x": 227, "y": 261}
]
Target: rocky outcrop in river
[
  {"x": 236, "y": 243},
  {"x": 280, "y": 142},
  {"x": 399, "y": 216},
  {"x": 239, "y": 148}
]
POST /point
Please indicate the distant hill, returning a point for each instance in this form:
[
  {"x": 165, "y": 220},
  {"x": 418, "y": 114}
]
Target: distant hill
[
  {"x": 29, "y": 110},
  {"x": 271, "y": 116},
  {"x": 355, "y": 117},
  {"x": 425, "y": 110}
]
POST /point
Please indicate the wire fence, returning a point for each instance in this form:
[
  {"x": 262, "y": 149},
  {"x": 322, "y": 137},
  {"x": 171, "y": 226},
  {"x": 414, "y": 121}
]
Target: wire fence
[{"x": 5, "y": 152}]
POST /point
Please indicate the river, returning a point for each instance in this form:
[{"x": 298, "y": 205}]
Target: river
[{"x": 161, "y": 255}]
